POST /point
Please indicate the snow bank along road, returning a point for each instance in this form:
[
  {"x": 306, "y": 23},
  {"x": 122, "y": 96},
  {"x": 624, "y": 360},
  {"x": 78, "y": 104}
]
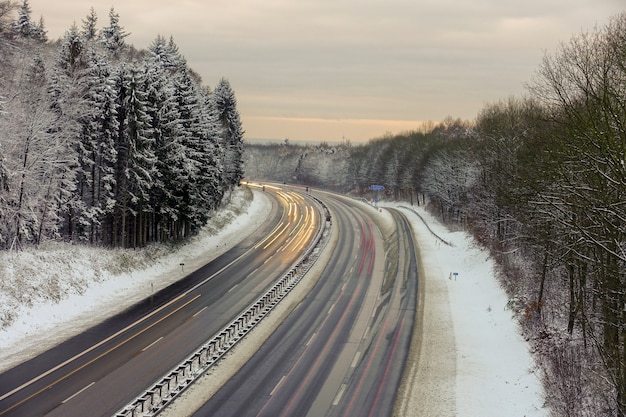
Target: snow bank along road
[
  {"x": 99, "y": 371},
  {"x": 466, "y": 357},
  {"x": 469, "y": 362}
]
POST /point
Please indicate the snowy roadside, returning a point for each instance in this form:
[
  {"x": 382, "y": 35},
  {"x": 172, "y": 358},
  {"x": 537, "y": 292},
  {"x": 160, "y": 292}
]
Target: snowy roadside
[
  {"x": 471, "y": 359},
  {"x": 93, "y": 284}
]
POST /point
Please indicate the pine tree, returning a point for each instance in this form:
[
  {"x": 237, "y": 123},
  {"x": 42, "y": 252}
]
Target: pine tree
[
  {"x": 232, "y": 132},
  {"x": 24, "y": 26},
  {"x": 90, "y": 30},
  {"x": 70, "y": 91},
  {"x": 71, "y": 54},
  {"x": 135, "y": 158},
  {"x": 103, "y": 129},
  {"x": 188, "y": 193},
  {"x": 40, "y": 32},
  {"x": 169, "y": 151},
  {"x": 113, "y": 35},
  {"x": 4, "y": 190},
  {"x": 166, "y": 53},
  {"x": 141, "y": 153},
  {"x": 213, "y": 173},
  {"x": 95, "y": 151},
  {"x": 203, "y": 186}
]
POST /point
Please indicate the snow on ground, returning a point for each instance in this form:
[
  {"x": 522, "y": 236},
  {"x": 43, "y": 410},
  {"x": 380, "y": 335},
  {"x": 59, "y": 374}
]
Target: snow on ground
[
  {"x": 470, "y": 359},
  {"x": 104, "y": 286},
  {"x": 493, "y": 373}
]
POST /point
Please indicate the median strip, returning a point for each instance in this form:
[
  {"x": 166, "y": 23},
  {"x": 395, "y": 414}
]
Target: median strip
[{"x": 162, "y": 393}]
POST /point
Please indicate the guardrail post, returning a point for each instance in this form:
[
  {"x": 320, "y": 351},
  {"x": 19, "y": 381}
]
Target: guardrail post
[
  {"x": 165, "y": 392},
  {"x": 171, "y": 385}
]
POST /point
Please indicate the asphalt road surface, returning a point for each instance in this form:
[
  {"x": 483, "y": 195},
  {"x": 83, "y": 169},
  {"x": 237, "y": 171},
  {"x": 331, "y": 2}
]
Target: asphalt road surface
[
  {"x": 100, "y": 371},
  {"x": 341, "y": 352}
]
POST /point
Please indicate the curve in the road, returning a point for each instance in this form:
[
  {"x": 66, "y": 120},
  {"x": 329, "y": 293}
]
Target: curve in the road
[
  {"x": 342, "y": 350},
  {"x": 96, "y": 373}
]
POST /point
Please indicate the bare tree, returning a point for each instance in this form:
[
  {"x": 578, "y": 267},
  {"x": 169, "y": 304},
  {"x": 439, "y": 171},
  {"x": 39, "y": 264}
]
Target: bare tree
[{"x": 584, "y": 85}]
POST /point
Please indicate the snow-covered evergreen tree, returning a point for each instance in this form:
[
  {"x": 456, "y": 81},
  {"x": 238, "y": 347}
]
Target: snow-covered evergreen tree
[
  {"x": 166, "y": 53},
  {"x": 71, "y": 54},
  {"x": 202, "y": 188},
  {"x": 135, "y": 157},
  {"x": 90, "y": 29},
  {"x": 70, "y": 90},
  {"x": 169, "y": 151},
  {"x": 94, "y": 145},
  {"x": 25, "y": 28},
  {"x": 112, "y": 36},
  {"x": 40, "y": 32},
  {"x": 23, "y": 25},
  {"x": 213, "y": 172},
  {"x": 226, "y": 104},
  {"x": 142, "y": 160},
  {"x": 101, "y": 132},
  {"x": 189, "y": 193},
  {"x": 134, "y": 149}
]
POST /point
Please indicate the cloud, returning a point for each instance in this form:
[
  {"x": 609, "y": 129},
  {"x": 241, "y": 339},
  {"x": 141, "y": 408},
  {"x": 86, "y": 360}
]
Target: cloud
[{"x": 354, "y": 59}]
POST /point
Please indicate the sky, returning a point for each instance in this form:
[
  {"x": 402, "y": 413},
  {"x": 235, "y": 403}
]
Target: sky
[{"x": 333, "y": 70}]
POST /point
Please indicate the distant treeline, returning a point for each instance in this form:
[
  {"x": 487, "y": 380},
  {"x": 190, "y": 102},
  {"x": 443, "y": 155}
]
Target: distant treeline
[
  {"x": 541, "y": 182},
  {"x": 106, "y": 144}
]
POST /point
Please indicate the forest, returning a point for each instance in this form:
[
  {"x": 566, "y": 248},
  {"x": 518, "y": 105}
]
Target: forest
[
  {"x": 105, "y": 144},
  {"x": 540, "y": 181}
]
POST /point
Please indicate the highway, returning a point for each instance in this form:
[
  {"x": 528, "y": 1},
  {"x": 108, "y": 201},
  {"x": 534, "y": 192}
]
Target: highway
[
  {"x": 101, "y": 370},
  {"x": 341, "y": 352}
]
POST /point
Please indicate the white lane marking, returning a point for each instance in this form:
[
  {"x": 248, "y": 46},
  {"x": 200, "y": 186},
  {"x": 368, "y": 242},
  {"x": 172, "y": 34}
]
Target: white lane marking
[
  {"x": 152, "y": 344},
  {"x": 234, "y": 286},
  {"x": 78, "y": 393},
  {"x": 331, "y": 308},
  {"x": 367, "y": 332},
  {"x": 339, "y": 394},
  {"x": 97, "y": 345},
  {"x": 278, "y": 385},
  {"x": 200, "y": 311},
  {"x": 355, "y": 361}
]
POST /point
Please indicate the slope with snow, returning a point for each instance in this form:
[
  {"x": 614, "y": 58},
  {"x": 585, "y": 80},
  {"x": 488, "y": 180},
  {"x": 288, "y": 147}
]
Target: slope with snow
[
  {"x": 110, "y": 280},
  {"x": 472, "y": 360},
  {"x": 469, "y": 359}
]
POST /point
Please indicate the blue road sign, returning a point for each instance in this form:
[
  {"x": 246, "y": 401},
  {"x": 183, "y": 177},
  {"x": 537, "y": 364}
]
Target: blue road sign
[{"x": 377, "y": 187}]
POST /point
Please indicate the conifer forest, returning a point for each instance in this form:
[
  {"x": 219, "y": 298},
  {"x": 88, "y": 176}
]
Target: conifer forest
[{"x": 106, "y": 144}]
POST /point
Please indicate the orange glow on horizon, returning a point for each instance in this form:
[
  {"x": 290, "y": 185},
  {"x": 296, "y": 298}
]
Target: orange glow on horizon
[{"x": 331, "y": 130}]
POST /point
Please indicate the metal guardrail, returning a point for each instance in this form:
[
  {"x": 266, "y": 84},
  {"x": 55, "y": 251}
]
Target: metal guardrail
[{"x": 154, "y": 400}]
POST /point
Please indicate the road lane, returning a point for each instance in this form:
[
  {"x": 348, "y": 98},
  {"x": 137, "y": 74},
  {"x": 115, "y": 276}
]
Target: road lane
[
  {"x": 371, "y": 389},
  {"x": 342, "y": 350},
  {"x": 114, "y": 365}
]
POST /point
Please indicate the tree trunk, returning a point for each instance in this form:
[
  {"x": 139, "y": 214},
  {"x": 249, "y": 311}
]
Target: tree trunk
[{"x": 544, "y": 272}]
